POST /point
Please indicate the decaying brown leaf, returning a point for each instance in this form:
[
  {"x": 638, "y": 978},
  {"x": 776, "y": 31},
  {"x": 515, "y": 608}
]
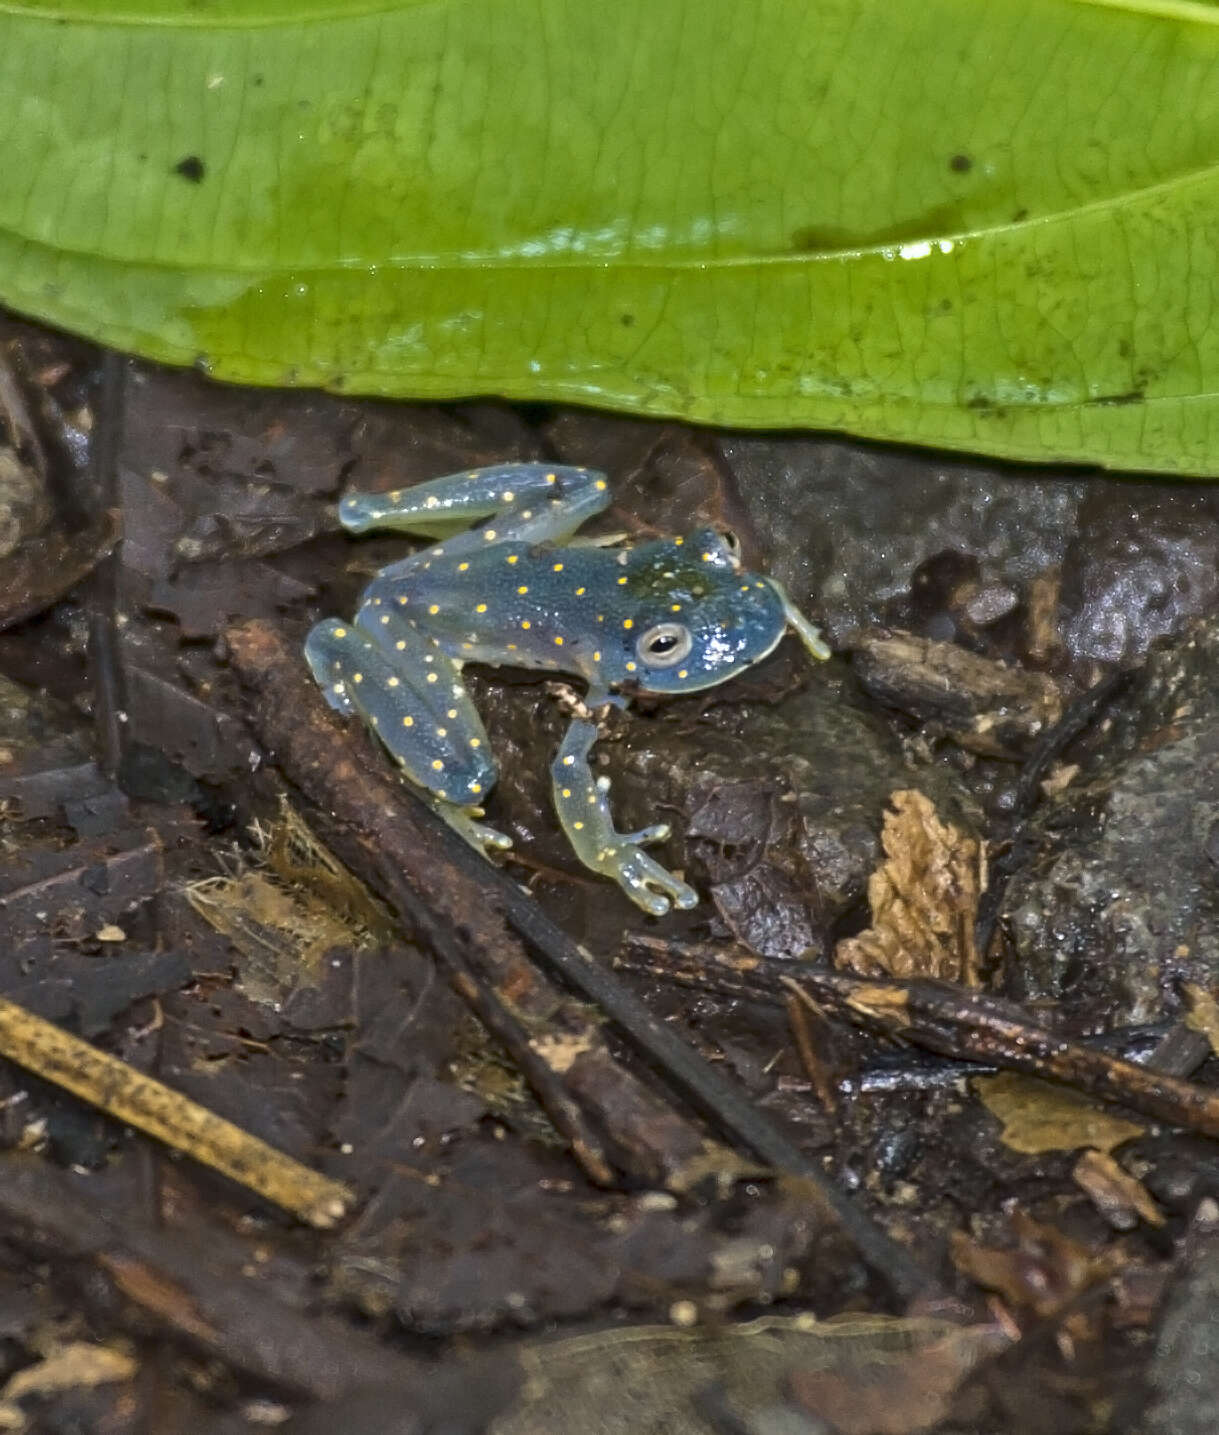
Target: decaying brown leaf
[
  {"x": 1203, "y": 1014},
  {"x": 924, "y": 899},
  {"x": 285, "y": 914},
  {"x": 1040, "y": 1117},
  {"x": 72, "y": 1365},
  {"x": 865, "y": 1375},
  {"x": 1117, "y": 1195},
  {"x": 903, "y": 1395},
  {"x": 1041, "y": 1274}
]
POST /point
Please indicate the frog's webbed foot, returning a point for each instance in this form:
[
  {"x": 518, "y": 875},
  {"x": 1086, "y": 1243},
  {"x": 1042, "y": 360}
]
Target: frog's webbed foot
[
  {"x": 583, "y": 807},
  {"x": 464, "y": 821}
]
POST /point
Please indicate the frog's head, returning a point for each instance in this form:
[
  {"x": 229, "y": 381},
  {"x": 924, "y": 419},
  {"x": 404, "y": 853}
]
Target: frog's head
[{"x": 696, "y": 619}]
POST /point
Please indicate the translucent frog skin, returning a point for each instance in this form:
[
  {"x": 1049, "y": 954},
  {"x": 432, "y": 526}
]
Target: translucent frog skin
[{"x": 673, "y": 615}]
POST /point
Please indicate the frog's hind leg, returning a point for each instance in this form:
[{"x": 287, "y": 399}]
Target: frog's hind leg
[
  {"x": 412, "y": 696},
  {"x": 583, "y": 807},
  {"x": 445, "y": 506}
]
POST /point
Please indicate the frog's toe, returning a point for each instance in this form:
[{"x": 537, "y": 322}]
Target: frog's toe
[
  {"x": 464, "y": 821},
  {"x": 658, "y": 832},
  {"x": 646, "y": 882}
]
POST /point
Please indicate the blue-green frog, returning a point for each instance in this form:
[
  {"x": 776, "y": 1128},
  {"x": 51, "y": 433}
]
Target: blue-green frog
[{"x": 672, "y": 615}]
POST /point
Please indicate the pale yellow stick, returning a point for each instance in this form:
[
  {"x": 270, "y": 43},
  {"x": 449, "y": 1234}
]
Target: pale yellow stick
[{"x": 138, "y": 1100}]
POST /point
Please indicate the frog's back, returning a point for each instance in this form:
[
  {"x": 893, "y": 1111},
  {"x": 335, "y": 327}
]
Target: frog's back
[{"x": 517, "y": 604}]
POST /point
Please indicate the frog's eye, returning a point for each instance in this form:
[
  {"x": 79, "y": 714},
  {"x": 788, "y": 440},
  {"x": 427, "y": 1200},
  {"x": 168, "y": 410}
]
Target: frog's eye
[
  {"x": 665, "y": 645},
  {"x": 731, "y": 542}
]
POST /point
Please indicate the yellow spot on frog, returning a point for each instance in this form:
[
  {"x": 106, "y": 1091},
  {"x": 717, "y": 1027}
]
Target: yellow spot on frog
[
  {"x": 357, "y": 677},
  {"x": 683, "y": 674},
  {"x": 433, "y": 608},
  {"x": 600, "y": 485},
  {"x": 580, "y": 592},
  {"x": 551, "y": 478},
  {"x": 476, "y": 787},
  {"x": 442, "y": 732},
  {"x": 431, "y": 677},
  {"x": 437, "y": 765},
  {"x": 475, "y": 742},
  {"x": 558, "y": 642},
  {"x": 622, "y": 580},
  {"x": 402, "y": 601},
  {"x": 490, "y": 535},
  {"x": 675, "y": 608},
  {"x": 596, "y": 657},
  {"x": 558, "y": 568},
  {"x": 463, "y": 567},
  {"x": 507, "y": 495},
  {"x": 524, "y": 588},
  {"x": 628, "y": 622},
  {"x": 568, "y": 760},
  {"x": 452, "y": 713},
  {"x": 408, "y": 721},
  {"x": 512, "y": 557},
  {"x": 480, "y": 607},
  {"x": 567, "y": 792},
  {"x": 579, "y": 826},
  {"x": 431, "y": 501},
  {"x": 393, "y": 682},
  {"x": 400, "y": 644},
  {"x": 630, "y": 667},
  {"x": 525, "y": 623},
  {"x": 340, "y": 632}
]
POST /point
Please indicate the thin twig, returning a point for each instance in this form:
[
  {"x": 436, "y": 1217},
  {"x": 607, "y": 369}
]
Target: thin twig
[
  {"x": 138, "y": 1100},
  {"x": 104, "y": 659},
  {"x": 956, "y": 1022}
]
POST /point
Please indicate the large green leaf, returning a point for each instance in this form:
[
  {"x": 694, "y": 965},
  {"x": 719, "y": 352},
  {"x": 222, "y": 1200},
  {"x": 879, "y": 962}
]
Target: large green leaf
[{"x": 988, "y": 224}]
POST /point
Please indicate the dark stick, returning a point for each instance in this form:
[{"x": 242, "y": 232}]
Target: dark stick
[
  {"x": 957, "y": 1022},
  {"x": 470, "y": 897},
  {"x": 961, "y": 1011},
  {"x": 814, "y": 1068},
  {"x": 495, "y": 1014},
  {"x": 104, "y": 660},
  {"x": 1081, "y": 714}
]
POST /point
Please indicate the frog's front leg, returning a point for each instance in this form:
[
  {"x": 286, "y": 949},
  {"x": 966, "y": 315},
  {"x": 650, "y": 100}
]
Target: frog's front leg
[{"x": 583, "y": 807}]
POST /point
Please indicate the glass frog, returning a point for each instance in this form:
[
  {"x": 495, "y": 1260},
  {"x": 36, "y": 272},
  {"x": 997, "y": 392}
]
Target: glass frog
[{"x": 670, "y": 615}]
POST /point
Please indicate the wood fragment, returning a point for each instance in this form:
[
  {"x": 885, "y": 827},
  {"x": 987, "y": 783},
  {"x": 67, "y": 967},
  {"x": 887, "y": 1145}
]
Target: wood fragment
[
  {"x": 1122, "y": 1199},
  {"x": 983, "y": 704},
  {"x": 800, "y": 1018},
  {"x": 140, "y": 1101}
]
